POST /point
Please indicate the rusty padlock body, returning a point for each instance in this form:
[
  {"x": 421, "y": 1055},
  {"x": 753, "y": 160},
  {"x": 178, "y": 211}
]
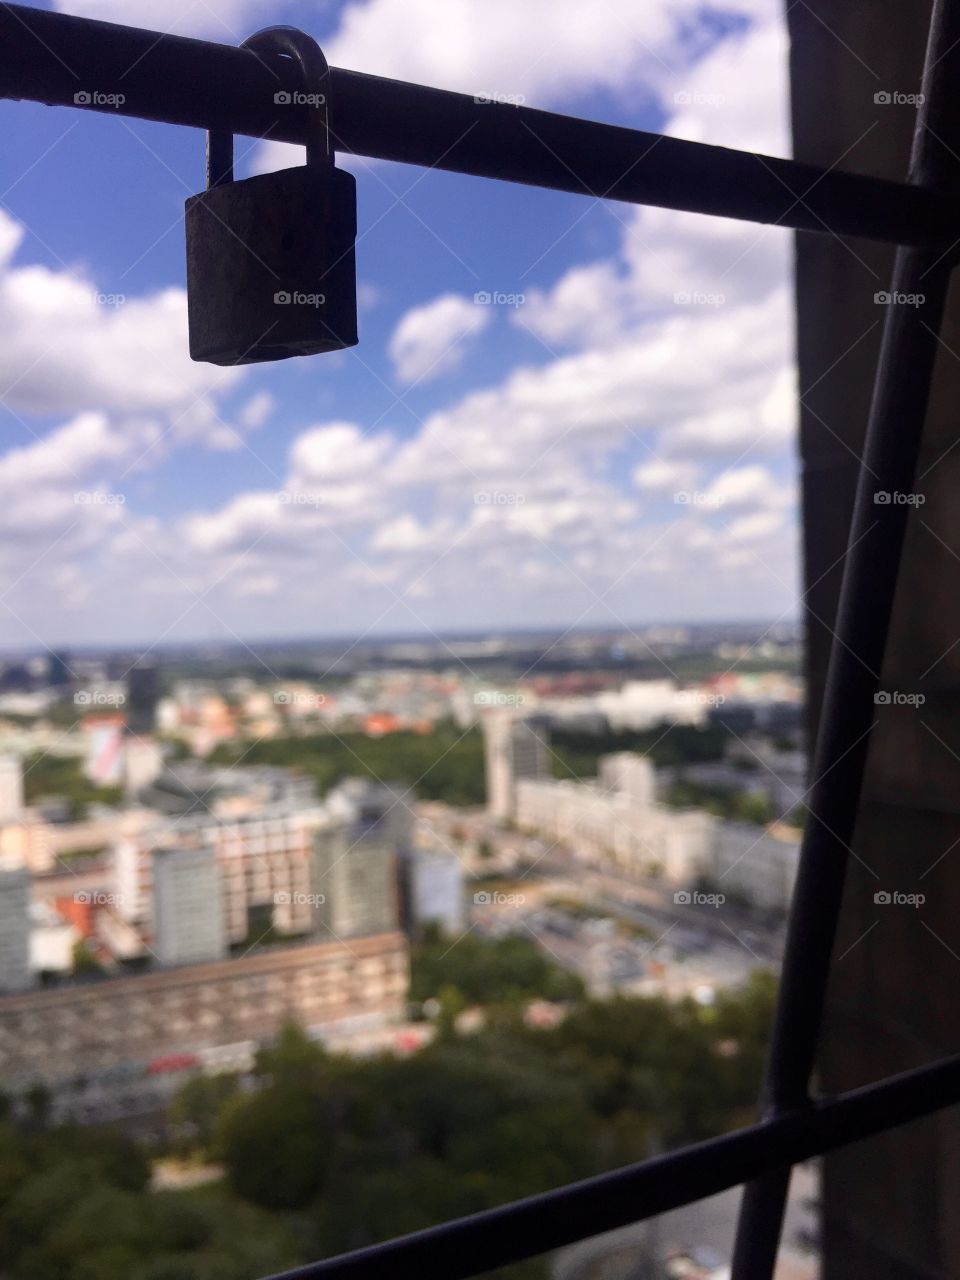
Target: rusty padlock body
[{"x": 271, "y": 263}]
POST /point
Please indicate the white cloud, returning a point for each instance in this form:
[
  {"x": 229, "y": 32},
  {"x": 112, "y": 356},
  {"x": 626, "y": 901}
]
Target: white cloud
[
  {"x": 227, "y": 21},
  {"x": 734, "y": 97},
  {"x": 584, "y": 308},
  {"x": 432, "y": 339},
  {"x": 69, "y": 345},
  {"x": 257, "y": 410},
  {"x": 65, "y": 455},
  {"x": 744, "y": 487},
  {"x": 662, "y": 477},
  {"x": 549, "y": 51},
  {"x": 405, "y": 533},
  {"x": 337, "y": 451}
]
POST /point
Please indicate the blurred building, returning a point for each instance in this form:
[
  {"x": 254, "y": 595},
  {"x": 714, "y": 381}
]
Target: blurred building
[
  {"x": 641, "y": 704},
  {"x": 108, "y": 1042},
  {"x": 516, "y": 748},
  {"x": 434, "y": 888},
  {"x": 103, "y": 764},
  {"x": 142, "y": 763},
  {"x": 190, "y": 786},
  {"x": 357, "y": 858},
  {"x": 264, "y": 858},
  {"x": 39, "y": 843},
  {"x": 14, "y": 927},
  {"x": 52, "y": 940},
  {"x": 600, "y": 825},
  {"x": 58, "y": 670},
  {"x": 11, "y": 789},
  {"x": 188, "y": 916},
  {"x": 617, "y": 820},
  {"x": 756, "y": 865},
  {"x": 142, "y": 696},
  {"x": 629, "y": 774}
]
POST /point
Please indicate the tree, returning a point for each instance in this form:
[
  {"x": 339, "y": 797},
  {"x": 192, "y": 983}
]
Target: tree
[
  {"x": 83, "y": 959},
  {"x": 488, "y": 970},
  {"x": 196, "y": 1106}
]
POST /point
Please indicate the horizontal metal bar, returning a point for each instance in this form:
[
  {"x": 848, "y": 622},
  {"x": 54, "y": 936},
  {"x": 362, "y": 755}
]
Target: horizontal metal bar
[
  {"x": 50, "y": 57},
  {"x": 497, "y": 1237}
]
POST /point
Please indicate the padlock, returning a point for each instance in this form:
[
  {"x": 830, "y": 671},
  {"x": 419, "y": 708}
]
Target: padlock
[{"x": 271, "y": 266}]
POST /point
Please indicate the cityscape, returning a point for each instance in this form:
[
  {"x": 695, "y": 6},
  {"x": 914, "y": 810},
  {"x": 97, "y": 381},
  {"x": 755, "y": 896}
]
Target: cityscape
[
  {"x": 405, "y": 748},
  {"x": 383, "y": 849}
]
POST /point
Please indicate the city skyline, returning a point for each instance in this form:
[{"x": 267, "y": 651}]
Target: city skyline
[{"x": 770, "y": 628}]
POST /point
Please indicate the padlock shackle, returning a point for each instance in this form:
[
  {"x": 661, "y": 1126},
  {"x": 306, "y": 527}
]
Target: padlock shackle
[{"x": 299, "y": 47}]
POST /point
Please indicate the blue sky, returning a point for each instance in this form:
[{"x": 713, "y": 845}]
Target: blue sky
[{"x": 588, "y": 448}]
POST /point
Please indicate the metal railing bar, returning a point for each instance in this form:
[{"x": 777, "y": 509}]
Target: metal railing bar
[{"x": 50, "y": 57}]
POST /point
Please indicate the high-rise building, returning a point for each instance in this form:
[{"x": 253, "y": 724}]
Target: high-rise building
[
  {"x": 265, "y": 860},
  {"x": 355, "y": 873},
  {"x": 373, "y": 807},
  {"x": 14, "y": 927},
  {"x": 434, "y": 890},
  {"x": 515, "y": 748},
  {"x": 11, "y": 789},
  {"x": 141, "y": 704},
  {"x": 188, "y": 914},
  {"x": 357, "y": 858},
  {"x": 58, "y": 670}
]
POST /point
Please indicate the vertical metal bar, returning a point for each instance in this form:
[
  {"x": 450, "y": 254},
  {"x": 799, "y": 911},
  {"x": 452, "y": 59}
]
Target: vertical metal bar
[
  {"x": 219, "y": 158},
  {"x": 897, "y": 414}
]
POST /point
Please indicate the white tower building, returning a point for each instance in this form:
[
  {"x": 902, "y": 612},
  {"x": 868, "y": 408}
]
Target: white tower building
[{"x": 515, "y": 748}]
